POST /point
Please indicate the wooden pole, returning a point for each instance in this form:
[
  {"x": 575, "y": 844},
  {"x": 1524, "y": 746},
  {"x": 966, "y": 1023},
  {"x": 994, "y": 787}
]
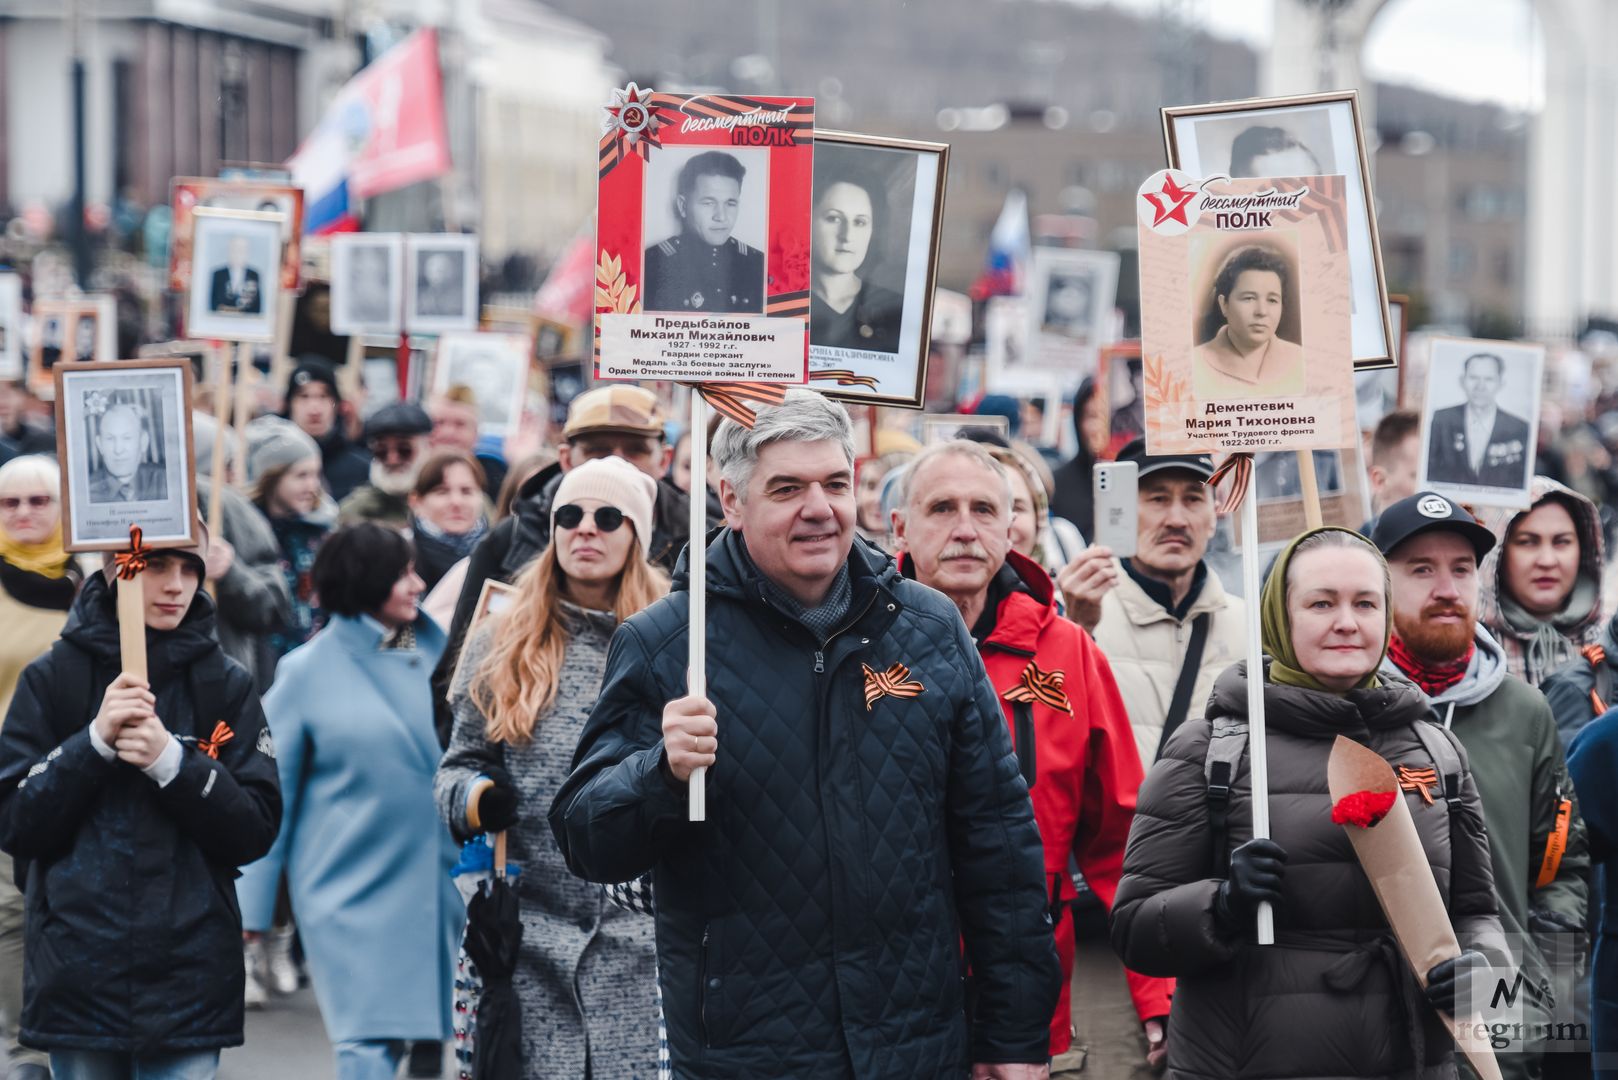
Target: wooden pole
[
  {"x": 352, "y": 378},
  {"x": 131, "y": 625},
  {"x": 224, "y": 398},
  {"x": 1310, "y": 486},
  {"x": 245, "y": 374},
  {"x": 697, "y": 573},
  {"x": 281, "y": 351},
  {"x": 500, "y": 854},
  {"x": 1258, "y": 760}
]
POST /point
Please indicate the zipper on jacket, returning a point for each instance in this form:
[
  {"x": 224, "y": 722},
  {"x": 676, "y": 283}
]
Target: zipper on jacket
[
  {"x": 702, "y": 976},
  {"x": 820, "y": 662}
]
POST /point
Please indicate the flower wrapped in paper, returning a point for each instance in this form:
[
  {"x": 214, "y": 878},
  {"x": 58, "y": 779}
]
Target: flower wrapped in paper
[{"x": 1390, "y": 852}]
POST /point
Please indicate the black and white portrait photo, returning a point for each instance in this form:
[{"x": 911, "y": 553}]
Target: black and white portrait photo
[
  {"x": 494, "y": 367},
  {"x": 367, "y": 283},
  {"x": 1480, "y": 418},
  {"x": 1071, "y": 294},
  {"x": 873, "y": 236},
  {"x": 1122, "y": 376},
  {"x": 1246, "y": 306},
  {"x": 441, "y": 281},
  {"x": 235, "y": 275},
  {"x": 1311, "y": 135},
  {"x": 124, "y": 440},
  {"x": 11, "y": 327},
  {"x": 705, "y": 224}
]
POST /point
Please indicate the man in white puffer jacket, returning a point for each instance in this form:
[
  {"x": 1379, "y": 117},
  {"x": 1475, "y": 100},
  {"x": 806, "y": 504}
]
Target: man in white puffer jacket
[{"x": 1144, "y": 611}]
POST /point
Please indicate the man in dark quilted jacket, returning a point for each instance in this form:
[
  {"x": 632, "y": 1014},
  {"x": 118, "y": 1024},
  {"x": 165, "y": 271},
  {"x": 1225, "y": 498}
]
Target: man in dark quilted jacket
[{"x": 865, "y": 812}]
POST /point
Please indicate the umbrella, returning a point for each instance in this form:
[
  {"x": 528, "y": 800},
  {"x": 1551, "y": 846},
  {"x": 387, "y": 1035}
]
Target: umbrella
[{"x": 493, "y": 936}]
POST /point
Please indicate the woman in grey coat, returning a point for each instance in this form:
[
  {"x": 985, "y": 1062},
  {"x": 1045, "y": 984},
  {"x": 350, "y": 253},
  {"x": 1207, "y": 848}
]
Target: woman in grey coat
[{"x": 587, "y": 973}]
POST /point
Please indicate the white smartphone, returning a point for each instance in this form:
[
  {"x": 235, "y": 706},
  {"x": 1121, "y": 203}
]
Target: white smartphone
[{"x": 1114, "y": 484}]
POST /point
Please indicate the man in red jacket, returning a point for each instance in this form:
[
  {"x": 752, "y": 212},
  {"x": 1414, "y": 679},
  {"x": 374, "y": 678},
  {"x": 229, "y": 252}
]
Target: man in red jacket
[{"x": 1072, "y": 737}]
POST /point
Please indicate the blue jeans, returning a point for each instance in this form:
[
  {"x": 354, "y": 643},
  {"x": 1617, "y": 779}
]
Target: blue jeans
[
  {"x": 110, "y": 1065},
  {"x": 369, "y": 1059}
]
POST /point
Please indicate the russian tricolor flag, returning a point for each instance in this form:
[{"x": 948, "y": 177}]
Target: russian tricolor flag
[{"x": 1009, "y": 246}]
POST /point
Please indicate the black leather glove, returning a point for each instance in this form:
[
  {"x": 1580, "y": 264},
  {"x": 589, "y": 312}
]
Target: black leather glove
[
  {"x": 1256, "y": 870},
  {"x": 1452, "y": 980},
  {"x": 497, "y": 806}
]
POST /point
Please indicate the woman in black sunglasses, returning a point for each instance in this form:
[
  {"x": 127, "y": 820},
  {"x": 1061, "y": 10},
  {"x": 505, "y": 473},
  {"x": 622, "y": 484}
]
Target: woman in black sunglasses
[
  {"x": 38, "y": 581},
  {"x": 587, "y": 971}
]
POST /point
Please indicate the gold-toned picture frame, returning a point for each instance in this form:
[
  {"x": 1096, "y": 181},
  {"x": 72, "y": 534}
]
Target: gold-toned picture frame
[
  {"x": 844, "y": 363},
  {"x": 1301, "y": 129},
  {"x": 100, "y": 501}
]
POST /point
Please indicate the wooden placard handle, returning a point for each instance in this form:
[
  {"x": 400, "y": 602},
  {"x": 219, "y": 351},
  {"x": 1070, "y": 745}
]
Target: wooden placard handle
[
  {"x": 500, "y": 854},
  {"x": 131, "y": 625}
]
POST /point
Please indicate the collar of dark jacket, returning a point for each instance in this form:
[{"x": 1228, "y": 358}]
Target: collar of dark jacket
[
  {"x": 732, "y": 576},
  {"x": 93, "y": 626},
  {"x": 1316, "y": 715},
  {"x": 1162, "y": 594}
]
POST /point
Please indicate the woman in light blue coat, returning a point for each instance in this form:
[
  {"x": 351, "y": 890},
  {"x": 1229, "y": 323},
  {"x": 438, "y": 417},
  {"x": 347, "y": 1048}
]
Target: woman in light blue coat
[{"x": 366, "y": 856}]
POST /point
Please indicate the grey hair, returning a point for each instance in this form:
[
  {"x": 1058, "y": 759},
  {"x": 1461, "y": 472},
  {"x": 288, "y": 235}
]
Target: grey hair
[
  {"x": 961, "y": 448},
  {"x": 803, "y": 416},
  {"x": 31, "y": 470},
  {"x": 1337, "y": 538}
]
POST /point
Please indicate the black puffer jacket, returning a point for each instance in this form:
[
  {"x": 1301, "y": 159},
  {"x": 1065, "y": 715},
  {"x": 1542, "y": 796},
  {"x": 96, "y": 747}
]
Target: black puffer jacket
[
  {"x": 812, "y": 926},
  {"x": 133, "y": 934},
  {"x": 1333, "y": 997}
]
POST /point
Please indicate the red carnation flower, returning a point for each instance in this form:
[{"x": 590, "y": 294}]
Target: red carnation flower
[{"x": 1363, "y": 808}]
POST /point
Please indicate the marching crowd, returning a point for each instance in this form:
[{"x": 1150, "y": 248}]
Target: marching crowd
[{"x": 979, "y": 796}]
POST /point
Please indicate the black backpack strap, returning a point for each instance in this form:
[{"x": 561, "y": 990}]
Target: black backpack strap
[
  {"x": 1190, "y": 666},
  {"x": 1022, "y": 724},
  {"x": 1227, "y": 742},
  {"x": 1447, "y": 763}
]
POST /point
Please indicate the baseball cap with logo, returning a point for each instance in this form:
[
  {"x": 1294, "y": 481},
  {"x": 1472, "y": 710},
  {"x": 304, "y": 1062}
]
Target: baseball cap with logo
[
  {"x": 628, "y": 410},
  {"x": 1423, "y": 512}
]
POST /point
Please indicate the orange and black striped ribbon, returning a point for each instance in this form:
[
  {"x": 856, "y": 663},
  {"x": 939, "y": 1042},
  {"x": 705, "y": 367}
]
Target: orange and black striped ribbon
[
  {"x": 1421, "y": 781},
  {"x": 730, "y": 399},
  {"x": 1595, "y": 655},
  {"x": 845, "y": 377},
  {"x": 221, "y": 735},
  {"x": 1239, "y": 467},
  {"x": 130, "y": 563},
  {"x": 894, "y": 682},
  {"x": 1044, "y": 687}
]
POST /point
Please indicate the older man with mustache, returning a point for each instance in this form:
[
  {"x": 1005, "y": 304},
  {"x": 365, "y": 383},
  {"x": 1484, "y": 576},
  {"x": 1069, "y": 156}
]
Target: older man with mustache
[
  {"x": 1537, "y": 839},
  {"x": 1069, "y": 728}
]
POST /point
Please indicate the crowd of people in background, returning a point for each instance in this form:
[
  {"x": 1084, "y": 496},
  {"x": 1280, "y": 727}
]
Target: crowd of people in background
[{"x": 980, "y": 789}]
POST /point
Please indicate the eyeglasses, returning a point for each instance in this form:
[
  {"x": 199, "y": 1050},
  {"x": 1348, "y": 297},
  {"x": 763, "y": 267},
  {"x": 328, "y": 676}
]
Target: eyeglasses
[
  {"x": 607, "y": 518},
  {"x": 35, "y": 502},
  {"x": 403, "y": 451}
]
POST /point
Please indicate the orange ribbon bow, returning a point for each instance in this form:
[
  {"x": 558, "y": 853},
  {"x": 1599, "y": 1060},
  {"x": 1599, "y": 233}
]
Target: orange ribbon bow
[
  {"x": 130, "y": 563},
  {"x": 845, "y": 377},
  {"x": 1421, "y": 781},
  {"x": 221, "y": 735},
  {"x": 730, "y": 399},
  {"x": 1044, "y": 687},
  {"x": 894, "y": 682}
]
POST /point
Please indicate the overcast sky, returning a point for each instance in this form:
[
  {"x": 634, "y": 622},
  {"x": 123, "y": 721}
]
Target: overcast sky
[{"x": 1485, "y": 50}]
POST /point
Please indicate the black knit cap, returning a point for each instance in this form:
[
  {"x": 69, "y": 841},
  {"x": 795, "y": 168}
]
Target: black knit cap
[{"x": 313, "y": 368}]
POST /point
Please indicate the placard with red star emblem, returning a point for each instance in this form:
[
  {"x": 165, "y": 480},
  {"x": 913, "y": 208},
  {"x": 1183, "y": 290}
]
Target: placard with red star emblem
[
  {"x": 1246, "y": 336},
  {"x": 702, "y": 238}
]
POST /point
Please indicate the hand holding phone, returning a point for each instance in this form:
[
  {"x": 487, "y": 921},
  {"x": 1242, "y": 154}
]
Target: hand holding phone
[{"x": 1116, "y": 509}]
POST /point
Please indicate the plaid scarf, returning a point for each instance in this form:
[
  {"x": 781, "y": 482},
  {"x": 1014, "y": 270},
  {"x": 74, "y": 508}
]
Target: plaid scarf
[{"x": 1433, "y": 678}]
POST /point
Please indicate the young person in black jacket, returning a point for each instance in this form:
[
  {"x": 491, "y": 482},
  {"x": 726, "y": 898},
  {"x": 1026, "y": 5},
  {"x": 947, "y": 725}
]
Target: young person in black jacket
[{"x": 128, "y": 804}]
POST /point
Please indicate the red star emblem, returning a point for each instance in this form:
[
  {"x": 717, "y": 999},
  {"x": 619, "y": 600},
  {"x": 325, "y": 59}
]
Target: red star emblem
[
  {"x": 1171, "y": 206},
  {"x": 634, "y": 116}
]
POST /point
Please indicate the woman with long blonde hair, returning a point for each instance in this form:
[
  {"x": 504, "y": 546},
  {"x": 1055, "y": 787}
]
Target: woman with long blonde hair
[{"x": 587, "y": 972}]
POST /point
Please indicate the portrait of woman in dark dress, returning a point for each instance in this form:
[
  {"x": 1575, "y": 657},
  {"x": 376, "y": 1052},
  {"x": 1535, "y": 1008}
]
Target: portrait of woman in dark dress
[{"x": 847, "y": 309}]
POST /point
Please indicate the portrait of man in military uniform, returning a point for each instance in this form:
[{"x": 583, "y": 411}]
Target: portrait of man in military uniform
[
  {"x": 1477, "y": 443},
  {"x": 703, "y": 268}
]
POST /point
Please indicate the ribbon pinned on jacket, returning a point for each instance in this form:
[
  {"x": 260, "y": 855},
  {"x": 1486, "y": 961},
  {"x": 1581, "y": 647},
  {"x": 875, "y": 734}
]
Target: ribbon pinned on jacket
[
  {"x": 1044, "y": 687},
  {"x": 130, "y": 563},
  {"x": 730, "y": 399},
  {"x": 1421, "y": 781},
  {"x": 221, "y": 735},
  {"x": 894, "y": 682}
]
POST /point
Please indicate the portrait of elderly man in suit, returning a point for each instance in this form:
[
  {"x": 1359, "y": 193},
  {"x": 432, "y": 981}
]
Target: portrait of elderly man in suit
[
  {"x": 1477, "y": 442},
  {"x": 123, "y": 473}
]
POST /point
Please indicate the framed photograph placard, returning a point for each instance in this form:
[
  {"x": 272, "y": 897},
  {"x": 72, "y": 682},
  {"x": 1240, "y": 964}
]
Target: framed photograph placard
[
  {"x": 11, "y": 327},
  {"x": 263, "y": 196},
  {"x": 877, "y": 210},
  {"x": 494, "y": 598},
  {"x": 235, "y": 264},
  {"x": 702, "y": 238},
  {"x": 1071, "y": 296},
  {"x": 441, "y": 282},
  {"x": 367, "y": 283},
  {"x": 67, "y": 331},
  {"x": 123, "y": 437},
  {"x": 1308, "y": 135},
  {"x": 494, "y": 367},
  {"x": 1005, "y": 338},
  {"x": 1480, "y": 420},
  {"x": 1121, "y": 383},
  {"x": 1245, "y": 333}
]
